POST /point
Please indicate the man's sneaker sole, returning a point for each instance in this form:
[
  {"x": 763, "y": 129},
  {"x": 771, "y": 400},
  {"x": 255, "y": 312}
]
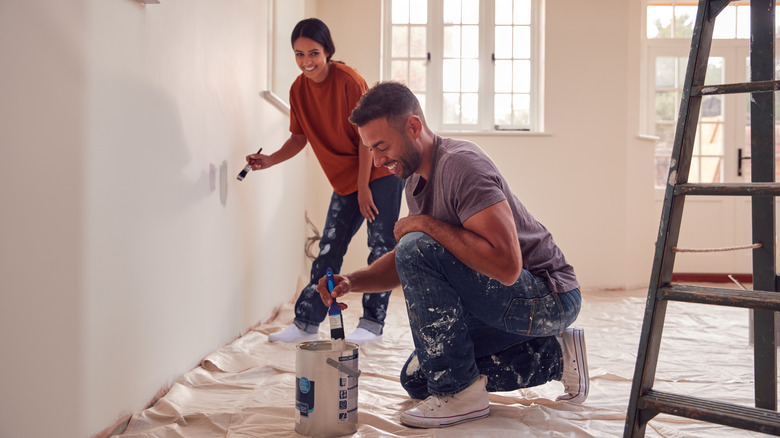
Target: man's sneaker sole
[{"x": 429, "y": 422}]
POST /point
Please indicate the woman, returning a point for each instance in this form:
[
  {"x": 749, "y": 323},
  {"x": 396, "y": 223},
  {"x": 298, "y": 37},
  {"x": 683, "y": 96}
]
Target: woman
[{"x": 321, "y": 100}]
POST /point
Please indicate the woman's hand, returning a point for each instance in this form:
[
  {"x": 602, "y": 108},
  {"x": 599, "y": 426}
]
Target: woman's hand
[
  {"x": 366, "y": 203},
  {"x": 260, "y": 161}
]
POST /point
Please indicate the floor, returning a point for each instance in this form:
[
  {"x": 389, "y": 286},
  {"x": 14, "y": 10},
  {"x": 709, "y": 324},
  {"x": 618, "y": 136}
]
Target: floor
[{"x": 246, "y": 389}]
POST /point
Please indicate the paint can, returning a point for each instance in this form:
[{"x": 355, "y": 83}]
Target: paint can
[{"x": 326, "y": 388}]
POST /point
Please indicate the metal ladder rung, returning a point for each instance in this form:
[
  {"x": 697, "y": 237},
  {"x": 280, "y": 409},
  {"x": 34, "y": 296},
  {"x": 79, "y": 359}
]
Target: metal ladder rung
[
  {"x": 728, "y": 189},
  {"x": 743, "y": 417},
  {"x": 752, "y": 299},
  {"x": 745, "y": 87}
]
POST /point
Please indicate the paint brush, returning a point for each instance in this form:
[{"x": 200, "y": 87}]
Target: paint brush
[
  {"x": 334, "y": 313},
  {"x": 246, "y": 169}
]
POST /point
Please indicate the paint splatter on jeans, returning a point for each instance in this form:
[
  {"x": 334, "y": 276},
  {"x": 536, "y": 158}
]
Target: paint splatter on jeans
[
  {"x": 465, "y": 324},
  {"x": 342, "y": 222}
]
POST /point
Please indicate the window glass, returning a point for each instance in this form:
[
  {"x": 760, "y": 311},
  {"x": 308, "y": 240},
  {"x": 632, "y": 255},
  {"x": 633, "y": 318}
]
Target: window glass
[{"x": 462, "y": 98}]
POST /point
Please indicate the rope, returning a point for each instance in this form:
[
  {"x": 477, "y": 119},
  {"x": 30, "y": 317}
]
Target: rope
[
  {"x": 311, "y": 240},
  {"x": 723, "y": 249}
]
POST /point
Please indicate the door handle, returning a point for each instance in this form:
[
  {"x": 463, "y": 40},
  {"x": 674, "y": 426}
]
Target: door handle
[{"x": 740, "y": 157}]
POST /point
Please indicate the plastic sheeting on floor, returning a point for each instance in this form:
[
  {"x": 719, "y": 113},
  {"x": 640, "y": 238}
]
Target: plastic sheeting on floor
[{"x": 247, "y": 388}]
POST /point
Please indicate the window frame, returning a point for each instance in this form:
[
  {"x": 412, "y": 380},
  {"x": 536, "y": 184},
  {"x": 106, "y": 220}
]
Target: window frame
[{"x": 433, "y": 101}]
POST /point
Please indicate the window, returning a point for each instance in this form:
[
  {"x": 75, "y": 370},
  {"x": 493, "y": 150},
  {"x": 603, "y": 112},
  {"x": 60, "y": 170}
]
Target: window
[
  {"x": 473, "y": 64},
  {"x": 723, "y": 122}
]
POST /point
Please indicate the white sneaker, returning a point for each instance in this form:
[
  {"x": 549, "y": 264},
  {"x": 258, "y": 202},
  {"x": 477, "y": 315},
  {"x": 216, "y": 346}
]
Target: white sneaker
[
  {"x": 470, "y": 404},
  {"x": 575, "y": 379},
  {"x": 292, "y": 334},
  {"x": 361, "y": 336}
]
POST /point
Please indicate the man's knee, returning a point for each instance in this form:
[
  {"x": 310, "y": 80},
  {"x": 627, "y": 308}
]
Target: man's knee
[{"x": 413, "y": 245}]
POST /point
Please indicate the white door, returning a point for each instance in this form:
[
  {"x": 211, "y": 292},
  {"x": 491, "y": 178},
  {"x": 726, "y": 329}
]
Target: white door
[{"x": 708, "y": 222}]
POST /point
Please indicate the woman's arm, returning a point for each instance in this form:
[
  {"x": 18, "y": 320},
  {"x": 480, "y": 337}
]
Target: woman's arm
[{"x": 289, "y": 149}]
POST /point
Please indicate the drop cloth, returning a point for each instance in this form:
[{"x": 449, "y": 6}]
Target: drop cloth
[{"x": 246, "y": 388}]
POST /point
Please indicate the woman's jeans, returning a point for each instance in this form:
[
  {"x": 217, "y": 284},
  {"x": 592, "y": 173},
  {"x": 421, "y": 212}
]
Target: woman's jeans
[
  {"x": 343, "y": 221},
  {"x": 465, "y": 324}
]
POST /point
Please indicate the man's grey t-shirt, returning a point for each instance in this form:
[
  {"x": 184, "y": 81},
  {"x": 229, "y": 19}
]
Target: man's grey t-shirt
[{"x": 464, "y": 181}]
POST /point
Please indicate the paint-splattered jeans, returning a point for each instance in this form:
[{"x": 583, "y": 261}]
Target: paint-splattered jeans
[
  {"x": 465, "y": 324},
  {"x": 343, "y": 221}
]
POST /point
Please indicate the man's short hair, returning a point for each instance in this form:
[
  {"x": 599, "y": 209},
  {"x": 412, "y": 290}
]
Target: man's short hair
[{"x": 391, "y": 100}]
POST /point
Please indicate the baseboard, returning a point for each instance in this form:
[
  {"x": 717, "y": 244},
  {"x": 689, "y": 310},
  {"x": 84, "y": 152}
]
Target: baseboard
[{"x": 704, "y": 277}]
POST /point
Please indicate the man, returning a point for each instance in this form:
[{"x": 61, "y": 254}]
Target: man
[{"x": 488, "y": 292}]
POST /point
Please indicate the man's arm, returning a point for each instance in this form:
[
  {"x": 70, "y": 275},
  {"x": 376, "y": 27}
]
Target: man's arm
[
  {"x": 487, "y": 243},
  {"x": 380, "y": 276}
]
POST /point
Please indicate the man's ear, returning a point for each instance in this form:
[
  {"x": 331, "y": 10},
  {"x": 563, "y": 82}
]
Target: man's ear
[{"x": 414, "y": 126}]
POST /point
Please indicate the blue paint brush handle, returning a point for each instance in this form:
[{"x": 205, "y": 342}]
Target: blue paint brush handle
[{"x": 334, "y": 313}]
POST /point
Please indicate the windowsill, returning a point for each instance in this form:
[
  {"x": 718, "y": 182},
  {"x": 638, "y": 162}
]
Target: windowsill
[{"x": 494, "y": 133}]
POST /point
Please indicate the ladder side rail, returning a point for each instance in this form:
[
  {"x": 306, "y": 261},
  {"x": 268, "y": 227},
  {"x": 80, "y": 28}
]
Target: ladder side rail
[
  {"x": 762, "y": 141},
  {"x": 671, "y": 217}
]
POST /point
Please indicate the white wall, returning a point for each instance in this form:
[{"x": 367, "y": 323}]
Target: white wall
[{"x": 130, "y": 250}]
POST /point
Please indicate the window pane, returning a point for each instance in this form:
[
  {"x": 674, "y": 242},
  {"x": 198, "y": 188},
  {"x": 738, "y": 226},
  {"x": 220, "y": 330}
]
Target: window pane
[
  {"x": 418, "y": 45},
  {"x": 503, "y": 77},
  {"x": 522, "y": 109},
  {"x": 400, "y": 41},
  {"x": 502, "y": 111},
  {"x": 664, "y": 72},
  {"x": 694, "y": 175},
  {"x": 726, "y": 23},
  {"x": 470, "y": 75},
  {"x": 522, "y": 42},
  {"x": 659, "y": 21},
  {"x": 743, "y": 21},
  {"x": 400, "y": 70},
  {"x": 470, "y": 108},
  {"x": 421, "y": 99},
  {"x": 521, "y": 78},
  {"x": 451, "y": 75},
  {"x": 503, "y": 11},
  {"x": 470, "y": 13},
  {"x": 665, "y": 134},
  {"x": 715, "y": 71},
  {"x": 712, "y": 138},
  {"x": 451, "y": 108},
  {"x": 711, "y": 169},
  {"x": 452, "y": 41},
  {"x": 451, "y": 11},
  {"x": 665, "y": 103},
  {"x": 661, "y": 170},
  {"x": 419, "y": 12},
  {"x": 470, "y": 42},
  {"x": 503, "y": 42},
  {"x": 522, "y": 11},
  {"x": 684, "y": 18},
  {"x": 682, "y": 67},
  {"x": 711, "y": 108},
  {"x": 417, "y": 75},
  {"x": 400, "y": 11}
]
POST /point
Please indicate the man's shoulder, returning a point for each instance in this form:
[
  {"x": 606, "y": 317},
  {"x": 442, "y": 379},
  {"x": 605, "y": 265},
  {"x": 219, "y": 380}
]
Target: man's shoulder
[{"x": 461, "y": 151}]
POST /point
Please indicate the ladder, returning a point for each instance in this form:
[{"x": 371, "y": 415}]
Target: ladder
[{"x": 645, "y": 402}]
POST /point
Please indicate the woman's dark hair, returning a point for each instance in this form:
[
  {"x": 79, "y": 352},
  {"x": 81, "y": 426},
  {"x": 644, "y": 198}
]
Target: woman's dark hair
[{"x": 314, "y": 29}]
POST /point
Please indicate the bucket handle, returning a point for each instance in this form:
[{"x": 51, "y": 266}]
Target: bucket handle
[{"x": 343, "y": 368}]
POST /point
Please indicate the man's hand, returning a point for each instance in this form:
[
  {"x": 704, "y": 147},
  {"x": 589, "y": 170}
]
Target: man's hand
[
  {"x": 340, "y": 289},
  {"x": 408, "y": 224}
]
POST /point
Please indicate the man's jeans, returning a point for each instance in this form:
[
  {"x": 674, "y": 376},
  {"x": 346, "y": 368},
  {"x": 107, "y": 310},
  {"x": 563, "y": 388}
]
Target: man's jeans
[
  {"x": 343, "y": 221},
  {"x": 465, "y": 324}
]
